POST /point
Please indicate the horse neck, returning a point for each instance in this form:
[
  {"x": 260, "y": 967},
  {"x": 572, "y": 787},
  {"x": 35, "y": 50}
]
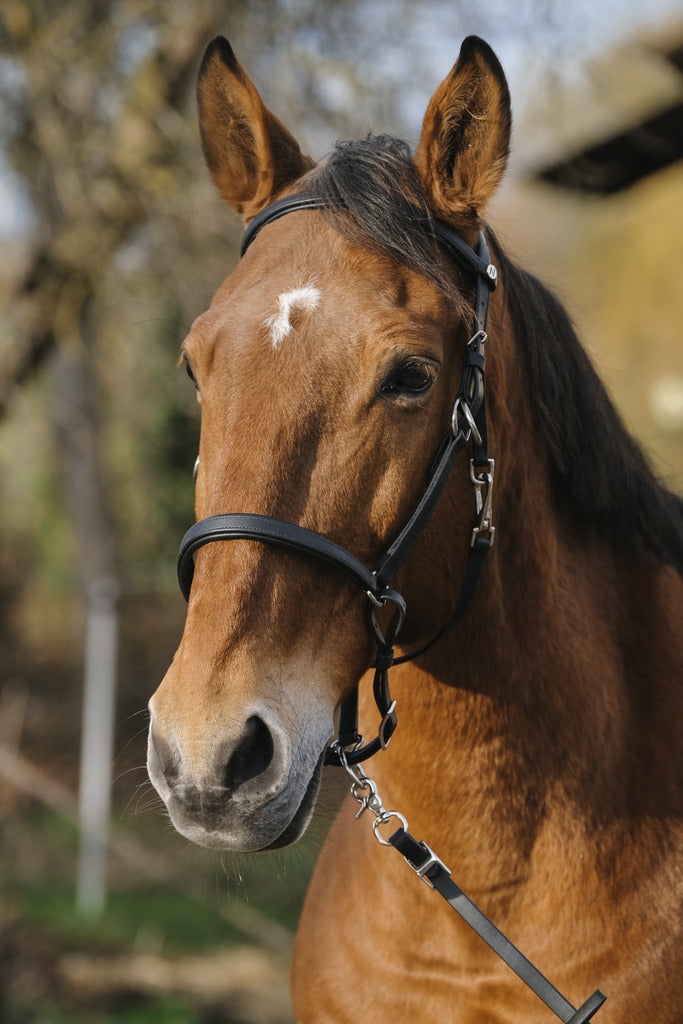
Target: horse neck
[{"x": 542, "y": 705}]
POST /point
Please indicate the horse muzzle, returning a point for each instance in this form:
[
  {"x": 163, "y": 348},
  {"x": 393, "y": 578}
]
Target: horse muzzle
[{"x": 253, "y": 790}]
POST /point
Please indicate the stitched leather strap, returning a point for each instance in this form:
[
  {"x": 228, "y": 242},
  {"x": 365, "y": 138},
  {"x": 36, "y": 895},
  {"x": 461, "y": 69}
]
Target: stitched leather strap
[
  {"x": 476, "y": 263},
  {"x": 249, "y": 526},
  {"x": 290, "y": 204}
]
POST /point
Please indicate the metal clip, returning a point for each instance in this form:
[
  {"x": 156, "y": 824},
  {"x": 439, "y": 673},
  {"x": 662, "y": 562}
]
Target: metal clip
[
  {"x": 371, "y": 801},
  {"x": 483, "y": 490},
  {"x": 477, "y": 341}
]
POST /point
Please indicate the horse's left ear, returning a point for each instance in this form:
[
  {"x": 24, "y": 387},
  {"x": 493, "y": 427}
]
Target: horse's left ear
[
  {"x": 249, "y": 152},
  {"x": 465, "y": 139}
]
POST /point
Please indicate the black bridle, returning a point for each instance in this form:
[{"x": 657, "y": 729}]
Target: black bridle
[{"x": 468, "y": 424}]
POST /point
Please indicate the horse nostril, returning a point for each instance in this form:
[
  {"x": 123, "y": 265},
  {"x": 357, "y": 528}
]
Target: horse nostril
[{"x": 252, "y": 755}]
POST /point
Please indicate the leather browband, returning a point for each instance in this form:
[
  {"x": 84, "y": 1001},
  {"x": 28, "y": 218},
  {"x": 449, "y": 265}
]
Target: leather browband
[{"x": 469, "y": 259}]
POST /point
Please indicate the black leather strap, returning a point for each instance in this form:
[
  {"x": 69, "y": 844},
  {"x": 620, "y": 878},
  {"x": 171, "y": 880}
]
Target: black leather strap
[
  {"x": 290, "y": 204},
  {"x": 475, "y": 564},
  {"x": 422, "y": 860},
  {"x": 348, "y": 737},
  {"x": 249, "y": 526},
  {"x": 477, "y": 263},
  {"x": 404, "y": 543},
  {"x": 347, "y": 734}
]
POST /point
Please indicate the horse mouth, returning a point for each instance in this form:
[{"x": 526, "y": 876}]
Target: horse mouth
[{"x": 302, "y": 816}]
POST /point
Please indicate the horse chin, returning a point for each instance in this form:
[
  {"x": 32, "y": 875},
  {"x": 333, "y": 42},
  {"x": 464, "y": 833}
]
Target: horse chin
[
  {"x": 271, "y": 827},
  {"x": 302, "y": 817}
]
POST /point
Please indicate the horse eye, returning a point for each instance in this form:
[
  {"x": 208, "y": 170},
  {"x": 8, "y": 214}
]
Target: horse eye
[
  {"x": 188, "y": 371},
  {"x": 413, "y": 377}
]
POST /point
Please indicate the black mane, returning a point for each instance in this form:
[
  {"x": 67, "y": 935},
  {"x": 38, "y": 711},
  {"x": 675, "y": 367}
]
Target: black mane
[
  {"x": 374, "y": 197},
  {"x": 598, "y": 471}
]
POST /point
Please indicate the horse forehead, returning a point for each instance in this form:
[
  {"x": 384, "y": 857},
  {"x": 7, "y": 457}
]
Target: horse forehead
[{"x": 295, "y": 289}]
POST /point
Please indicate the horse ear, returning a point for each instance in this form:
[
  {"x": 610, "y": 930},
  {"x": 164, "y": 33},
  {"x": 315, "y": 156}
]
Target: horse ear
[
  {"x": 250, "y": 154},
  {"x": 465, "y": 139}
]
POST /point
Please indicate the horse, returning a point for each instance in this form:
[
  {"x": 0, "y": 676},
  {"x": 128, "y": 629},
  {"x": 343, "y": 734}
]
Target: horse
[{"x": 532, "y": 739}]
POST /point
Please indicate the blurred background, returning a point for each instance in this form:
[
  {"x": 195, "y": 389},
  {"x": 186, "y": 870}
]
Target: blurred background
[{"x": 112, "y": 241}]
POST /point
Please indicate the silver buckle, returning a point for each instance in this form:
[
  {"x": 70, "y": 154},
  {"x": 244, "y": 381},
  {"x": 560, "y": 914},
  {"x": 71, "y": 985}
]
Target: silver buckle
[
  {"x": 478, "y": 339},
  {"x": 432, "y": 859}
]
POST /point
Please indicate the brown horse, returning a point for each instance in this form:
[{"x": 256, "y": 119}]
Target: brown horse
[{"x": 538, "y": 742}]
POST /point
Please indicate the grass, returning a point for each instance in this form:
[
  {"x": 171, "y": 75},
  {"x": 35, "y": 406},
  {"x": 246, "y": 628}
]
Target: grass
[{"x": 134, "y": 918}]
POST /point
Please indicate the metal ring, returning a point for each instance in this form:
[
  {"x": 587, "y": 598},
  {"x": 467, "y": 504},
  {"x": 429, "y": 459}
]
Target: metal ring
[
  {"x": 461, "y": 404},
  {"x": 397, "y": 620},
  {"x": 382, "y": 819}
]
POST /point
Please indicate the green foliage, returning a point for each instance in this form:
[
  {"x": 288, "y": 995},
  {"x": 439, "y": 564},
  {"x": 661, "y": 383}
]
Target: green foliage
[{"x": 132, "y": 918}]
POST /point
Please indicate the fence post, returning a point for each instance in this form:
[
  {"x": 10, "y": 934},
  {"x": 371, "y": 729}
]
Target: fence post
[{"x": 97, "y": 744}]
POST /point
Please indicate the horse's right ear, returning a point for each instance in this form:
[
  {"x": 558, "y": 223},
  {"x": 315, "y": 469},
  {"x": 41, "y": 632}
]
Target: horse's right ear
[{"x": 250, "y": 154}]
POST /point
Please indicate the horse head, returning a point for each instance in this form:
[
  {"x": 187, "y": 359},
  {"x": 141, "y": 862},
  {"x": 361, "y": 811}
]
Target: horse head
[{"x": 326, "y": 368}]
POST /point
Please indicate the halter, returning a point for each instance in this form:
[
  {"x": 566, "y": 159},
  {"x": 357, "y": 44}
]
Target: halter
[{"x": 468, "y": 423}]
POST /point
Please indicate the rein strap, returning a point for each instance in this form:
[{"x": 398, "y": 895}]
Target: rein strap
[{"x": 434, "y": 872}]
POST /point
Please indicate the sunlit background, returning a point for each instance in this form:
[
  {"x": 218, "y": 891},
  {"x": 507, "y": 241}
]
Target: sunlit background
[{"x": 113, "y": 240}]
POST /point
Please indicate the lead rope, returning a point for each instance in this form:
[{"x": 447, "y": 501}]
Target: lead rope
[{"x": 431, "y": 869}]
